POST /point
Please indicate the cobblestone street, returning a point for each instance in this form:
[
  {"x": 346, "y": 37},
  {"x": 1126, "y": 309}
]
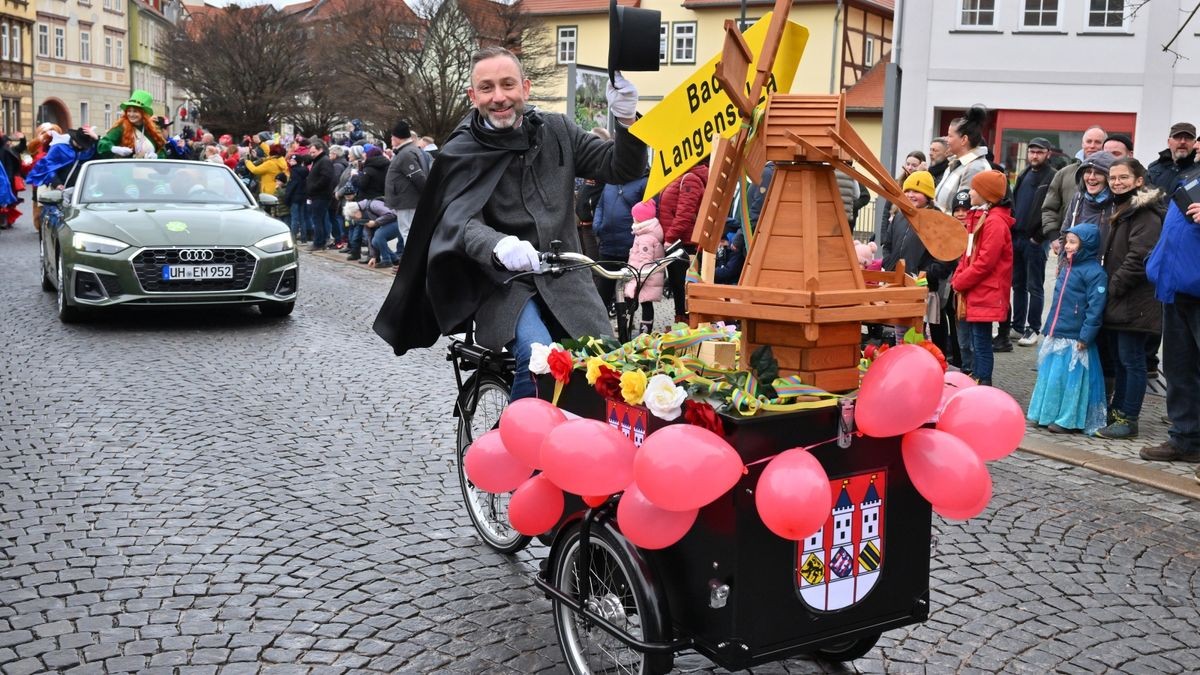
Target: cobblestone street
[{"x": 205, "y": 490}]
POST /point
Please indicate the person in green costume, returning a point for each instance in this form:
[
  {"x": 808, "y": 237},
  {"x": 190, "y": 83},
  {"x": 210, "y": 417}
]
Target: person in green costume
[{"x": 135, "y": 134}]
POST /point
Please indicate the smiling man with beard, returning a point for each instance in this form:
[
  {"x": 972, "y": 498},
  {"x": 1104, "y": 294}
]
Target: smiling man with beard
[{"x": 499, "y": 193}]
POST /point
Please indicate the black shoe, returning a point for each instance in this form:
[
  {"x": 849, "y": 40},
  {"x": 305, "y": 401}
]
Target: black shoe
[
  {"x": 314, "y": 248},
  {"x": 354, "y": 256},
  {"x": 1002, "y": 346}
]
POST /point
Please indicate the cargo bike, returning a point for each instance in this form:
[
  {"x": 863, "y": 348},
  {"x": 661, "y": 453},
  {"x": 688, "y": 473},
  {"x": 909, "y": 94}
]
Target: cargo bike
[{"x": 730, "y": 589}]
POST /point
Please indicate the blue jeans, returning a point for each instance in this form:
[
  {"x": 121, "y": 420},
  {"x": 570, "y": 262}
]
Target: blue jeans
[
  {"x": 379, "y": 242},
  {"x": 1029, "y": 279},
  {"x": 1128, "y": 353},
  {"x": 301, "y": 227},
  {"x": 1181, "y": 365},
  {"x": 318, "y": 213},
  {"x": 965, "y": 348},
  {"x": 335, "y": 222},
  {"x": 356, "y": 233},
  {"x": 980, "y": 333},
  {"x": 530, "y": 329}
]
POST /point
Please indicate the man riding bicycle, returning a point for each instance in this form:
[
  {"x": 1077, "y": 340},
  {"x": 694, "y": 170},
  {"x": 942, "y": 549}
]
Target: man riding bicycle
[{"x": 501, "y": 191}]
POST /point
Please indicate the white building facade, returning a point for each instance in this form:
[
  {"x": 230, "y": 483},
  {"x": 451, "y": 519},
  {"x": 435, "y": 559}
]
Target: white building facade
[
  {"x": 81, "y": 64},
  {"x": 1047, "y": 68}
]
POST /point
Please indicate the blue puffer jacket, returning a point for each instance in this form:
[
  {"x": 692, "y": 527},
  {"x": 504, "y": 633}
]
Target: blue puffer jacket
[
  {"x": 613, "y": 221},
  {"x": 1077, "y": 308}
]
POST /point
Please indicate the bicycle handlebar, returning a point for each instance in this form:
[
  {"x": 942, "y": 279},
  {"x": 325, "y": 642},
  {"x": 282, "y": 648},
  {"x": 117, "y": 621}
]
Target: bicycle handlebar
[{"x": 557, "y": 262}]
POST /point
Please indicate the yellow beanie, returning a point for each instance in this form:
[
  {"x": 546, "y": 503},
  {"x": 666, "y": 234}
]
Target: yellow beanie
[{"x": 921, "y": 181}]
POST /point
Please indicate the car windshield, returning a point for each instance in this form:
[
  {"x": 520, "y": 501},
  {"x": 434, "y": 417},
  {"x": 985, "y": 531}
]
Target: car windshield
[{"x": 155, "y": 181}]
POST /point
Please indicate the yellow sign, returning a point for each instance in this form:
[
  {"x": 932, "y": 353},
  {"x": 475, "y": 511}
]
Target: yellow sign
[{"x": 680, "y": 129}]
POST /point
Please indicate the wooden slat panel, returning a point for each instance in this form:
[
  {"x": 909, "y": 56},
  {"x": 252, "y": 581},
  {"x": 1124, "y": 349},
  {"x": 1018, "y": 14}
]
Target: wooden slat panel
[
  {"x": 837, "y": 381},
  {"x": 826, "y": 358},
  {"x": 894, "y": 294},
  {"x": 808, "y": 226},
  {"x": 770, "y": 332},
  {"x": 895, "y": 311},
  {"x": 756, "y": 294},
  {"x": 834, "y": 280},
  {"x": 785, "y": 251},
  {"x": 733, "y": 310}
]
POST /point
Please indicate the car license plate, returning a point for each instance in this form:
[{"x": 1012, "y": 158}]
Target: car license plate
[{"x": 196, "y": 272}]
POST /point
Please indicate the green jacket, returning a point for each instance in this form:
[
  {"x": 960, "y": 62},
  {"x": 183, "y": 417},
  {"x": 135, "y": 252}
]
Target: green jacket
[{"x": 113, "y": 137}]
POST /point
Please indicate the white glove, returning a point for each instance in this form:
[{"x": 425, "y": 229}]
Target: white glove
[
  {"x": 121, "y": 151},
  {"x": 517, "y": 255},
  {"x": 622, "y": 97}
]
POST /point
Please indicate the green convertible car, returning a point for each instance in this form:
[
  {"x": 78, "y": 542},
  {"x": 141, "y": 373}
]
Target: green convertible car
[{"x": 164, "y": 232}]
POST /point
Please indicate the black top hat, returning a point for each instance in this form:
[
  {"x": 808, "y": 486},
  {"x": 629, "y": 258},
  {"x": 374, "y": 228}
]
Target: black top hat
[
  {"x": 81, "y": 138},
  {"x": 632, "y": 38}
]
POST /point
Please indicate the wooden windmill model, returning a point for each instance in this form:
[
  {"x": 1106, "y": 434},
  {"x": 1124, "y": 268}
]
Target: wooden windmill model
[{"x": 802, "y": 291}]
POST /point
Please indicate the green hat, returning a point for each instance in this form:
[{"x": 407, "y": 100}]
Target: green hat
[{"x": 140, "y": 98}]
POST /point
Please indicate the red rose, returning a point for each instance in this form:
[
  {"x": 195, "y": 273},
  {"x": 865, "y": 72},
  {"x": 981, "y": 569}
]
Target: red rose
[
  {"x": 701, "y": 414},
  {"x": 608, "y": 384},
  {"x": 561, "y": 364}
]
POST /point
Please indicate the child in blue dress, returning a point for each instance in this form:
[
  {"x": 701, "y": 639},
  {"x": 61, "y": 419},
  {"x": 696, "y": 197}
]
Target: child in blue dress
[{"x": 1069, "y": 394}]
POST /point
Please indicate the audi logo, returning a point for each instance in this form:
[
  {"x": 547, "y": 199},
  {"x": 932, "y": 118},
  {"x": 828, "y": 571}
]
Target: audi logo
[{"x": 195, "y": 255}]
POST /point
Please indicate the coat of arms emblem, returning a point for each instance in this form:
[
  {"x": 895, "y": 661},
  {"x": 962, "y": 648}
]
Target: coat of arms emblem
[{"x": 840, "y": 563}]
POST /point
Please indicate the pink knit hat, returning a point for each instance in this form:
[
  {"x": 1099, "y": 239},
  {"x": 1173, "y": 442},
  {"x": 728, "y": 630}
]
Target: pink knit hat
[{"x": 643, "y": 211}]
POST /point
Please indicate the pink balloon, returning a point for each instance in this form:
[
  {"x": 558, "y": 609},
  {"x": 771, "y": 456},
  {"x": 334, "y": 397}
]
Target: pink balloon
[
  {"x": 588, "y": 457},
  {"x": 536, "y": 506},
  {"x": 491, "y": 467},
  {"x": 594, "y": 500},
  {"x": 524, "y": 425},
  {"x": 793, "y": 495},
  {"x": 988, "y": 419},
  {"x": 958, "y": 379},
  {"x": 900, "y": 391},
  {"x": 648, "y": 526},
  {"x": 972, "y": 511},
  {"x": 944, "y": 469},
  {"x": 683, "y": 467}
]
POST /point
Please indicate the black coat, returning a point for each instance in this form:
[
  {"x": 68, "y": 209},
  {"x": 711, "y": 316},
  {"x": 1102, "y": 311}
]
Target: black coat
[
  {"x": 482, "y": 189},
  {"x": 322, "y": 178},
  {"x": 373, "y": 177},
  {"x": 296, "y": 191},
  {"x": 1131, "y": 236}
]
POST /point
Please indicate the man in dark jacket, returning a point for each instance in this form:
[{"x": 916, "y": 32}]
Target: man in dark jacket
[
  {"x": 1030, "y": 247},
  {"x": 1177, "y": 158},
  {"x": 405, "y": 179},
  {"x": 500, "y": 192},
  {"x": 939, "y": 158},
  {"x": 321, "y": 182}
]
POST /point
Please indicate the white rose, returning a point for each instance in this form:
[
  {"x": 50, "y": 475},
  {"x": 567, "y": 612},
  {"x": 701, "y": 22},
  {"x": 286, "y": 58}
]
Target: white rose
[
  {"x": 537, "y": 359},
  {"x": 663, "y": 398}
]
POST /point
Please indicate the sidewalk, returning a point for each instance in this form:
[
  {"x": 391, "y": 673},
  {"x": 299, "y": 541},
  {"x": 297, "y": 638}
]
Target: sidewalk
[{"x": 1016, "y": 373}]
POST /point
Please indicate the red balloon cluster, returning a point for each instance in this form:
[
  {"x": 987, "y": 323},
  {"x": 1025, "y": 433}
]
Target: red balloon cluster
[
  {"x": 679, "y": 469},
  {"x": 903, "y": 389}
]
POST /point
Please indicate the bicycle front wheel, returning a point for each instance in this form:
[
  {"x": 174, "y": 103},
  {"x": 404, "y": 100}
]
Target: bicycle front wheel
[{"x": 480, "y": 413}]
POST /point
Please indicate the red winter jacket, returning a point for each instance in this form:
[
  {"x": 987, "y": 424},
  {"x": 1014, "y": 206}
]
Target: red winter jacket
[
  {"x": 984, "y": 274},
  {"x": 680, "y": 204}
]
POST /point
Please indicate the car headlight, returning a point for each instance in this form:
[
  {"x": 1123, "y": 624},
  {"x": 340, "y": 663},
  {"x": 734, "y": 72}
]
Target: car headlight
[
  {"x": 94, "y": 243},
  {"x": 276, "y": 243}
]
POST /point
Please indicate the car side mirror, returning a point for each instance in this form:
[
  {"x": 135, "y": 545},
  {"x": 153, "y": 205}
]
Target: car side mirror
[
  {"x": 50, "y": 196},
  {"x": 267, "y": 200}
]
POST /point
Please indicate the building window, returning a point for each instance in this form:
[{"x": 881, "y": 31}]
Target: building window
[
  {"x": 43, "y": 40},
  {"x": 4, "y": 38},
  {"x": 120, "y": 53},
  {"x": 663, "y": 31},
  {"x": 84, "y": 110},
  {"x": 684, "y": 42},
  {"x": 1106, "y": 14},
  {"x": 60, "y": 42},
  {"x": 17, "y": 53},
  {"x": 85, "y": 46},
  {"x": 108, "y": 50},
  {"x": 869, "y": 52},
  {"x": 566, "y": 43},
  {"x": 1040, "y": 14},
  {"x": 108, "y": 116},
  {"x": 745, "y": 25},
  {"x": 978, "y": 13}
]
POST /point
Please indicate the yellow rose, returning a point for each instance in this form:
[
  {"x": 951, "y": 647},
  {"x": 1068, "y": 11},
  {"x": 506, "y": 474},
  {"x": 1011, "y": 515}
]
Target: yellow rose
[
  {"x": 633, "y": 386},
  {"x": 594, "y": 365}
]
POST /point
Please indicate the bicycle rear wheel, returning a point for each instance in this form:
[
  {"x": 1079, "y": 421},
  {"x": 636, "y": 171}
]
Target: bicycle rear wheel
[
  {"x": 480, "y": 413},
  {"x": 616, "y": 590}
]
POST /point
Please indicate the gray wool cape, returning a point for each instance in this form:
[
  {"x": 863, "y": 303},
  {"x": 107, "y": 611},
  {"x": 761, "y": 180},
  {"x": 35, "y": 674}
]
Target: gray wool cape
[{"x": 479, "y": 194}]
